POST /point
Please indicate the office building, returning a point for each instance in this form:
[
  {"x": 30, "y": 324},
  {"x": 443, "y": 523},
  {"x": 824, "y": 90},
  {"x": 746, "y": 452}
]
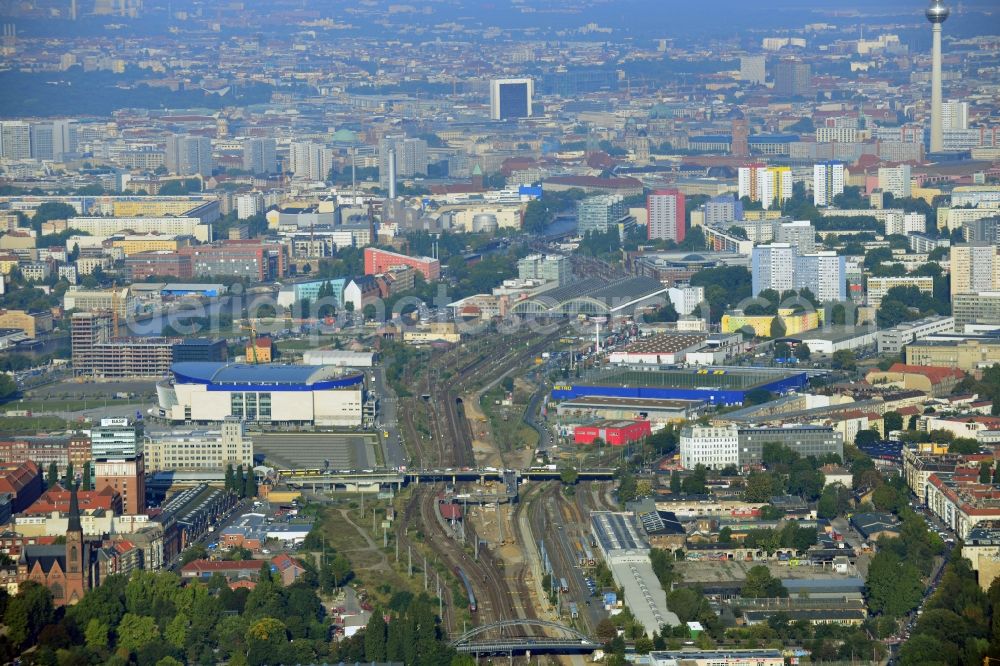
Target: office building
[
  {"x": 768, "y": 185},
  {"x": 261, "y": 262},
  {"x": 189, "y": 155},
  {"x": 937, "y": 14},
  {"x": 548, "y": 268},
  {"x": 893, "y": 340},
  {"x": 310, "y": 161},
  {"x": 921, "y": 243},
  {"x": 199, "y": 449},
  {"x": 381, "y": 261},
  {"x": 982, "y": 308},
  {"x": 511, "y": 98},
  {"x": 53, "y": 140},
  {"x": 717, "y": 447},
  {"x": 118, "y": 462},
  {"x": 878, "y": 287},
  {"x": 200, "y": 350},
  {"x": 598, "y": 214},
  {"x": 954, "y": 115},
  {"x": 895, "y": 180},
  {"x": 710, "y": 446},
  {"x": 828, "y": 182},
  {"x": 665, "y": 215},
  {"x": 975, "y": 268},
  {"x": 752, "y": 69},
  {"x": 800, "y": 234},
  {"x": 118, "y": 299},
  {"x": 965, "y": 354},
  {"x": 15, "y": 140},
  {"x": 260, "y": 156},
  {"x": 792, "y": 79}
]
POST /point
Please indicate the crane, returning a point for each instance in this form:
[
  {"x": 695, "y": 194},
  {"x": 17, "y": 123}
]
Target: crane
[{"x": 251, "y": 325}]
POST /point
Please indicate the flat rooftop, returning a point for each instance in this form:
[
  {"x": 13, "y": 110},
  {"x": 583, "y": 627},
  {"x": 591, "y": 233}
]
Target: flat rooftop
[
  {"x": 615, "y": 531},
  {"x": 648, "y": 403},
  {"x": 701, "y": 378},
  {"x": 665, "y": 343}
]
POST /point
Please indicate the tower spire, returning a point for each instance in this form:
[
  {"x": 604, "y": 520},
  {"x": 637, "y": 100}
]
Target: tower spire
[
  {"x": 936, "y": 13},
  {"x": 74, "y": 509}
]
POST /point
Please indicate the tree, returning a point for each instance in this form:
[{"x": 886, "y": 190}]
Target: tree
[
  {"x": 230, "y": 478},
  {"x": 568, "y": 476},
  {"x": 70, "y": 479},
  {"x": 8, "y": 386},
  {"x": 675, "y": 482},
  {"x": 96, "y": 635},
  {"x": 844, "y": 359},
  {"x": 761, "y": 584},
  {"x": 984, "y": 472},
  {"x": 136, "y": 631},
  {"x": 893, "y": 586},
  {"x": 606, "y": 630},
  {"x": 86, "y": 483},
  {"x": 52, "y": 476},
  {"x": 250, "y": 484},
  {"x": 238, "y": 480},
  {"x": 778, "y": 329},
  {"x": 867, "y": 437},
  {"x": 892, "y": 421},
  {"x": 759, "y": 487},
  {"x": 375, "y": 638},
  {"x": 802, "y": 352}
]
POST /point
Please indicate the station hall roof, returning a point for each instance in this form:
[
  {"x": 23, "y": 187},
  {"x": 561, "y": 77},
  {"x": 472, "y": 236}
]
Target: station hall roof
[{"x": 237, "y": 374}]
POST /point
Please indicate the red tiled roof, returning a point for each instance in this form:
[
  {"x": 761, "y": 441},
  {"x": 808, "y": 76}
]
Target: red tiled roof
[
  {"x": 56, "y": 498},
  {"x": 934, "y": 373},
  {"x": 221, "y": 566}
]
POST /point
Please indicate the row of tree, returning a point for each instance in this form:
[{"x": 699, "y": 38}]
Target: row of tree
[{"x": 243, "y": 484}]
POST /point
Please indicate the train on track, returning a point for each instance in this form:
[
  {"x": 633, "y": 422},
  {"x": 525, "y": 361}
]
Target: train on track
[{"x": 468, "y": 590}]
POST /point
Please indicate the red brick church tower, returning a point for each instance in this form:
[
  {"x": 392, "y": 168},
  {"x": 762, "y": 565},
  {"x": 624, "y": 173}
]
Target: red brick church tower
[{"x": 76, "y": 554}]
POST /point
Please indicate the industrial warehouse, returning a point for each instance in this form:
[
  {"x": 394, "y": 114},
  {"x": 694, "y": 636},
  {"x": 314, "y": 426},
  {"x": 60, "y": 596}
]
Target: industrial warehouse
[
  {"x": 714, "y": 386},
  {"x": 268, "y": 394}
]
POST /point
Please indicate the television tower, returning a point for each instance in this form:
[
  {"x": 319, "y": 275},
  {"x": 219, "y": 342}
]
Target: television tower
[{"x": 936, "y": 13}]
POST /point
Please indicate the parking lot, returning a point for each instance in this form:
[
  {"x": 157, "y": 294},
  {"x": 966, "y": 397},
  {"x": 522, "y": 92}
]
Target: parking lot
[{"x": 339, "y": 451}]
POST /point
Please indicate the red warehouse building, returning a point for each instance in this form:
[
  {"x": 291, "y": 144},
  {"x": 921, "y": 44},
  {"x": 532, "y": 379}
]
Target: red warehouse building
[{"x": 615, "y": 433}]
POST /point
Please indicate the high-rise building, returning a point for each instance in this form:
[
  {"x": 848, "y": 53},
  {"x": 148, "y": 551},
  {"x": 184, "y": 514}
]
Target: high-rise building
[
  {"x": 828, "y": 182},
  {"x": 800, "y": 234},
  {"x": 599, "y": 213},
  {"x": 87, "y": 331},
  {"x": 779, "y": 267},
  {"x": 937, "y": 14},
  {"x": 793, "y": 78},
  {"x": 773, "y": 267},
  {"x": 752, "y": 69},
  {"x": 189, "y": 155},
  {"x": 249, "y": 204},
  {"x": 665, "y": 214},
  {"x": 975, "y": 268},
  {"x": 511, "y": 98},
  {"x": 53, "y": 140},
  {"x": 768, "y": 185},
  {"x": 895, "y": 180},
  {"x": 15, "y": 140},
  {"x": 118, "y": 462},
  {"x": 550, "y": 268},
  {"x": 954, "y": 115},
  {"x": 723, "y": 209},
  {"x": 822, "y": 273},
  {"x": 983, "y": 230},
  {"x": 260, "y": 156},
  {"x": 409, "y": 157},
  {"x": 311, "y": 161}
]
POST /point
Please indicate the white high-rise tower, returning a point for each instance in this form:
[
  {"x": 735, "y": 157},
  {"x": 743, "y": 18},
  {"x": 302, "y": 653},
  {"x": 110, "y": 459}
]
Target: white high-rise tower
[{"x": 936, "y": 13}]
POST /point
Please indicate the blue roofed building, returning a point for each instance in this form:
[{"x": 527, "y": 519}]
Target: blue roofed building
[{"x": 264, "y": 394}]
